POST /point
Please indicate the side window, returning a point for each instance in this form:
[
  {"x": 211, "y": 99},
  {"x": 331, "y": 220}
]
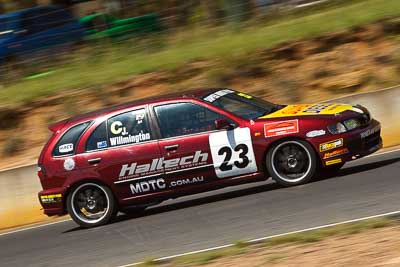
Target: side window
[
  {"x": 185, "y": 118},
  {"x": 67, "y": 143},
  {"x": 98, "y": 138},
  {"x": 129, "y": 128}
]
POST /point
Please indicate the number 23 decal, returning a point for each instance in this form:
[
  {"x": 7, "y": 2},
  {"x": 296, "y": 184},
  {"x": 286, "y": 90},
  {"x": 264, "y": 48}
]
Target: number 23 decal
[
  {"x": 232, "y": 152},
  {"x": 228, "y": 155}
]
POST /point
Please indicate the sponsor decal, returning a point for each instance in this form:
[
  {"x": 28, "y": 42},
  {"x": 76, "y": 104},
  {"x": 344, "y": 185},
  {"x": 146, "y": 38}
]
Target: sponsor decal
[
  {"x": 316, "y": 108},
  {"x": 336, "y": 153},
  {"x": 123, "y": 140},
  {"x": 154, "y": 185},
  {"x": 69, "y": 164},
  {"x": 140, "y": 118},
  {"x": 281, "y": 128},
  {"x": 315, "y": 133},
  {"x": 370, "y": 131},
  {"x": 331, "y": 145},
  {"x": 148, "y": 186},
  {"x": 102, "y": 144},
  {"x": 134, "y": 170},
  {"x": 309, "y": 110},
  {"x": 187, "y": 181},
  {"x": 245, "y": 95},
  {"x": 334, "y": 161},
  {"x": 53, "y": 198},
  {"x": 66, "y": 148},
  {"x": 214, "y": 96}
]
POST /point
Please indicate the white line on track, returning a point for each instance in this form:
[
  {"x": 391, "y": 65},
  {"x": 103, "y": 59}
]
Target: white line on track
[
  {"x": 66, "y": 220},
  {"x": 382, "y": 153},
  {"x": 270, "y": 237},
  {"x": 33, "y": 227}
]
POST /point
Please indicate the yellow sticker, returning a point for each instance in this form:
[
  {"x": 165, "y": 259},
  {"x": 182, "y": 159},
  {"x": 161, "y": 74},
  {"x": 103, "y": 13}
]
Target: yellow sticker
[
  {"x": 334, "y": 161},
  {"x": 51, "y": 196},
  {"x": 331, "y": 145},
  {"x": 54, "y": 198},
  {"x": 245, "y": 95}
]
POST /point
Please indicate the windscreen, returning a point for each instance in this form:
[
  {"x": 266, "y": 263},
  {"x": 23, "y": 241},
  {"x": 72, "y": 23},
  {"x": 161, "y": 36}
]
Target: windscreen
[{"x": 241, "y": 104}]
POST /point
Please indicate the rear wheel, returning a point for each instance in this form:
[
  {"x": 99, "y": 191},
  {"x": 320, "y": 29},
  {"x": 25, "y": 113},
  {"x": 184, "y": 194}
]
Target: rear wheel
[
  {"x": 91, "y": 205},
  {"x": 291, "y": 162}
]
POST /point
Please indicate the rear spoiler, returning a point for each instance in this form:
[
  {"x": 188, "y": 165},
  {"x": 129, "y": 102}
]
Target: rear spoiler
[
  {"x": 54, "y": 128},
  {"x": 57, "y": 126}
]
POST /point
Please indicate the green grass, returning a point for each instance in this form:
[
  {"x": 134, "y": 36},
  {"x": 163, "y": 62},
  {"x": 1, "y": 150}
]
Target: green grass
[
  {"x": 318, "y": 235},
  {"x": 207, "y": 257},
  {"x": 109, "y": 65}
]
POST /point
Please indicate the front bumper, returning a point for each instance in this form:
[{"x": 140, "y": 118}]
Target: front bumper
[
  {"x": 53, "y": 201},
  {"x": 355, "y": 144}
]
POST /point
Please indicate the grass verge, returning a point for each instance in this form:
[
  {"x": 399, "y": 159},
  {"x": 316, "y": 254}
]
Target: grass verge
[
  {"x": 240, "y": 248},
  {"x": 116, "y": 63}
]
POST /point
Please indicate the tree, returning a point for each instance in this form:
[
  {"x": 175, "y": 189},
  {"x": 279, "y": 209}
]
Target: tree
[
  {"x": 26, "y": 4},
  {"x": 65, "y": 3}
]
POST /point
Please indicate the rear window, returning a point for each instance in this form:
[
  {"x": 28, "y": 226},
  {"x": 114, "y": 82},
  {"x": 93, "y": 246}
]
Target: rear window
[{"x": 67, "y": 143}]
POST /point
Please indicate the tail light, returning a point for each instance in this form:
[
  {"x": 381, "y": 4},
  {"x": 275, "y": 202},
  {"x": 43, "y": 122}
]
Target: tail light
[{"x": 41, "y": 172}]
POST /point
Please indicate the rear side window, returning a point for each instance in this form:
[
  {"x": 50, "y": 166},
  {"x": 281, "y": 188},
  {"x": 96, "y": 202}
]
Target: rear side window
[
  {"x": 98, "y": 139},
  {"x": 67, "y": 143},
  {"x": 129, "y": 128}
]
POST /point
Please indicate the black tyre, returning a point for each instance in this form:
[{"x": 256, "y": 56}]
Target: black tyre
[
  {"x": 91, "y": 205},
  {"x": 291, "y": 162}
]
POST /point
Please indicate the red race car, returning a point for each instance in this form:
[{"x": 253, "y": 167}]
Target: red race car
[{"x": 138, "y": 154}]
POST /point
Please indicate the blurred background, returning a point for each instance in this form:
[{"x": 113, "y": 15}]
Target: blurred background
[{"x": 62, "y": 58}]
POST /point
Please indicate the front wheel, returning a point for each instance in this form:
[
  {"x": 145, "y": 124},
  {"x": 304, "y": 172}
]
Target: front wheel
[
  {"x": 291, "y": 162},
  {"x": 91, "y": 205}
]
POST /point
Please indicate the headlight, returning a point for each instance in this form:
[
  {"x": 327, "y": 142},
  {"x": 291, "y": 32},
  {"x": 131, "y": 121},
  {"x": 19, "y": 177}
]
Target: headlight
[
  {"x": 351, "y": 124},
  {"x": 337, "y": 128}
]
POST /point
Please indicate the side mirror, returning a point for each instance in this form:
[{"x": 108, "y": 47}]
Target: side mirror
[{"x": 223, "y": 124}]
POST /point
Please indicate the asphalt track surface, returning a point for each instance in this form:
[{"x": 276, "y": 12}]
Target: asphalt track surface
[{"x": 365, "y": 187}]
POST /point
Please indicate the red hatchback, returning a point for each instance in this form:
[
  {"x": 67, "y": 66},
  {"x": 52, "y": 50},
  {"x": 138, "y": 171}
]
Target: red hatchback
[{"x": 138, "y": 154}]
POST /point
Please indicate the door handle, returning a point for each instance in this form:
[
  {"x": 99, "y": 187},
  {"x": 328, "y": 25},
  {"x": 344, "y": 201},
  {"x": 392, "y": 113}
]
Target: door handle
[
  {"x": 171, "y": 147},
  {"x": 94, "y": 161}
]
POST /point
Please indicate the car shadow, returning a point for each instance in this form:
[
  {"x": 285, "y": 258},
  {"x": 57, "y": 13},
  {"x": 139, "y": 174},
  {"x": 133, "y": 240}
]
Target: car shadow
[
  {"x": 240, "y": 193},
  {"x": 357, "y": 169}
]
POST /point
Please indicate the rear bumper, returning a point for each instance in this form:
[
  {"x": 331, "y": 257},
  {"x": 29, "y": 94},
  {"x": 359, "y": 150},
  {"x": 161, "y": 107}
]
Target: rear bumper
[
  {"x": 53, "y": 201},
  {"x": 356, "y": 144}
]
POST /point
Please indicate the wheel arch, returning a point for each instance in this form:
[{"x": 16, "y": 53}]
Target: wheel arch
[
  {"x": 283, "y": 139},
  {"x": 77, "y": 183}
]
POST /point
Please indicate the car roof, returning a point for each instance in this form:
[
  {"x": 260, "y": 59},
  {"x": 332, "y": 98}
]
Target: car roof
[{"x": 195, "y": 93}]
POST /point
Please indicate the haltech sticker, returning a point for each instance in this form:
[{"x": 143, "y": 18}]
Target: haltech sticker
[
  {"x": 54, "y": 198},
  {"x": 331, "y": 145},
  {"x": 281, "y": 128},
  {"x": 336, "y": 153},
  {"x": 334, "y": 161}
]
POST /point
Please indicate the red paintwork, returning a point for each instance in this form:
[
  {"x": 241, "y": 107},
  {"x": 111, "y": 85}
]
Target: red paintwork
[{"x": 58, "y": 180}]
